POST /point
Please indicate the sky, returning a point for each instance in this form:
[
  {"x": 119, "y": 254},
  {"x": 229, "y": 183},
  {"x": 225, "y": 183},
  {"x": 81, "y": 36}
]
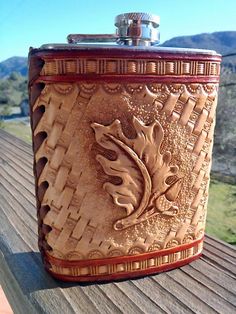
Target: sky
[{"x": 25, "y": 23}]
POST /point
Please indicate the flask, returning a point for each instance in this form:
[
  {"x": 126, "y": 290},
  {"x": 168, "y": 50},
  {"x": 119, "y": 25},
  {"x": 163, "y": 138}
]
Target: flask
[{"x": 122, "y": 140}]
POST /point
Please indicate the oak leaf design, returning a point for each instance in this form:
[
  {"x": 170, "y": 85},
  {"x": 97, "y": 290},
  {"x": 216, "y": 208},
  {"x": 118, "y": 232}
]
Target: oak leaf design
[{"x": 145, "y": 190}]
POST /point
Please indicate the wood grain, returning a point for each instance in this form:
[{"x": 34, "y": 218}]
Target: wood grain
[{"x": 205, "y": 286}]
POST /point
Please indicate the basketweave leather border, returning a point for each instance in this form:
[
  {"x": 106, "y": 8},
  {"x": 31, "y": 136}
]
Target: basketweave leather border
[
  {"x": 99, "y": 65},
  {"x": 124, "y": 266}
]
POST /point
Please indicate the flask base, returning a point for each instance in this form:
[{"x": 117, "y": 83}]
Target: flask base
[{"x": 123, "y": 267}]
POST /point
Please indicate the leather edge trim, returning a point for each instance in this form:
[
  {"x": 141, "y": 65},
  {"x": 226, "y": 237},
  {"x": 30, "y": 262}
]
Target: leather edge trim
[
  {"x": 126, "y": 78},
  {"x": 120, "y": 259},
  {"x": 125, "y": 275}
]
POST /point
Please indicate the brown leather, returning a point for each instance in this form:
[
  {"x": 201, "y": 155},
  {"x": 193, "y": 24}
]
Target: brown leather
[{"x": 122, "y": 168}]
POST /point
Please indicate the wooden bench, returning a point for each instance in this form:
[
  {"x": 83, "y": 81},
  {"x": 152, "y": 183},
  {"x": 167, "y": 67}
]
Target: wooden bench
[{"x": 205, "y": 286}]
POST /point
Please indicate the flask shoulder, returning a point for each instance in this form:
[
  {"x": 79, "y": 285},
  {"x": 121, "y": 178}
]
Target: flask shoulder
[{"x": 115, "y": 49}]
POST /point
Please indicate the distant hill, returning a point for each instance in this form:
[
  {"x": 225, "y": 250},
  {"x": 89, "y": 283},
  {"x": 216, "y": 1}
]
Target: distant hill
[
  {"x": 221, "y": 42},
  {"x": 13, "y": 64}
]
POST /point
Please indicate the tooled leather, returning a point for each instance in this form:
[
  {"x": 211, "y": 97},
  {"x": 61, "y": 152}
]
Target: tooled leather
[
  {"x": 36, "y": 65},
  {"x": 185, "y": 113}
]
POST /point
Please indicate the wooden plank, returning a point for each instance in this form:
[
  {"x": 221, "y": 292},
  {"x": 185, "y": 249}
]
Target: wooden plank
[
  {"x": 208, "y": 296},
  {"x": 220, "y": 288},
  {"x": 18, "y": 175},
  {"x": 13, "y": 185},
  {"x": 92, "y": 294},
  {"x": 144, "y": 302},
  {"x": 13, "y": 292},
  {"x": 160, "y": 294},
  {"x": 221, "y": 246},
  {"x": 21, "y": 155},
  {"x": 17, "y": 165},
  {"x": 21, "y": 223},
  {"x": 175, "y": 285},
  {"x": 120, "y": 299},
  {"x": 16, "y": 142},
  {"x": 23, "y": 278},
  {"x": 221, "y": 264},
  {"x": 205, "y": 286},
  {"x": 221, "y": 278},
  {"x": 228, "y": 258}
]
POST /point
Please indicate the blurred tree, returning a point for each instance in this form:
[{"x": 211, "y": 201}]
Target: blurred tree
[
  {"x": 14, "y": 76},
  {"x": 22, "y": 88},
  {"x": 4, "y": 85},
  {"x": 5, "y": 111}
]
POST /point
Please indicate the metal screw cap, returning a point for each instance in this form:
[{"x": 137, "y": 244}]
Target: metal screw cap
[{"x": 138, "y": 29}]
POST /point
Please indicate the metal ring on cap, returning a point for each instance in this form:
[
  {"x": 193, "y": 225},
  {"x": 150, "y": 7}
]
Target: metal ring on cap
[
  {"x": 137, "y": 29},
  {"x": 137, "y": 16}
]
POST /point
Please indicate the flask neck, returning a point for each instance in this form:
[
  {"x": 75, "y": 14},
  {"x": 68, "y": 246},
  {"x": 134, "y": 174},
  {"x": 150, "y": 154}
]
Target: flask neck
[{"x": 133, "y": 29}]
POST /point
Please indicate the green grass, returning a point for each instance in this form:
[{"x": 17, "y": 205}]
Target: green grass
[
  {"x": 18, "y": 129},
  {"x": 221, "y": 216}
]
